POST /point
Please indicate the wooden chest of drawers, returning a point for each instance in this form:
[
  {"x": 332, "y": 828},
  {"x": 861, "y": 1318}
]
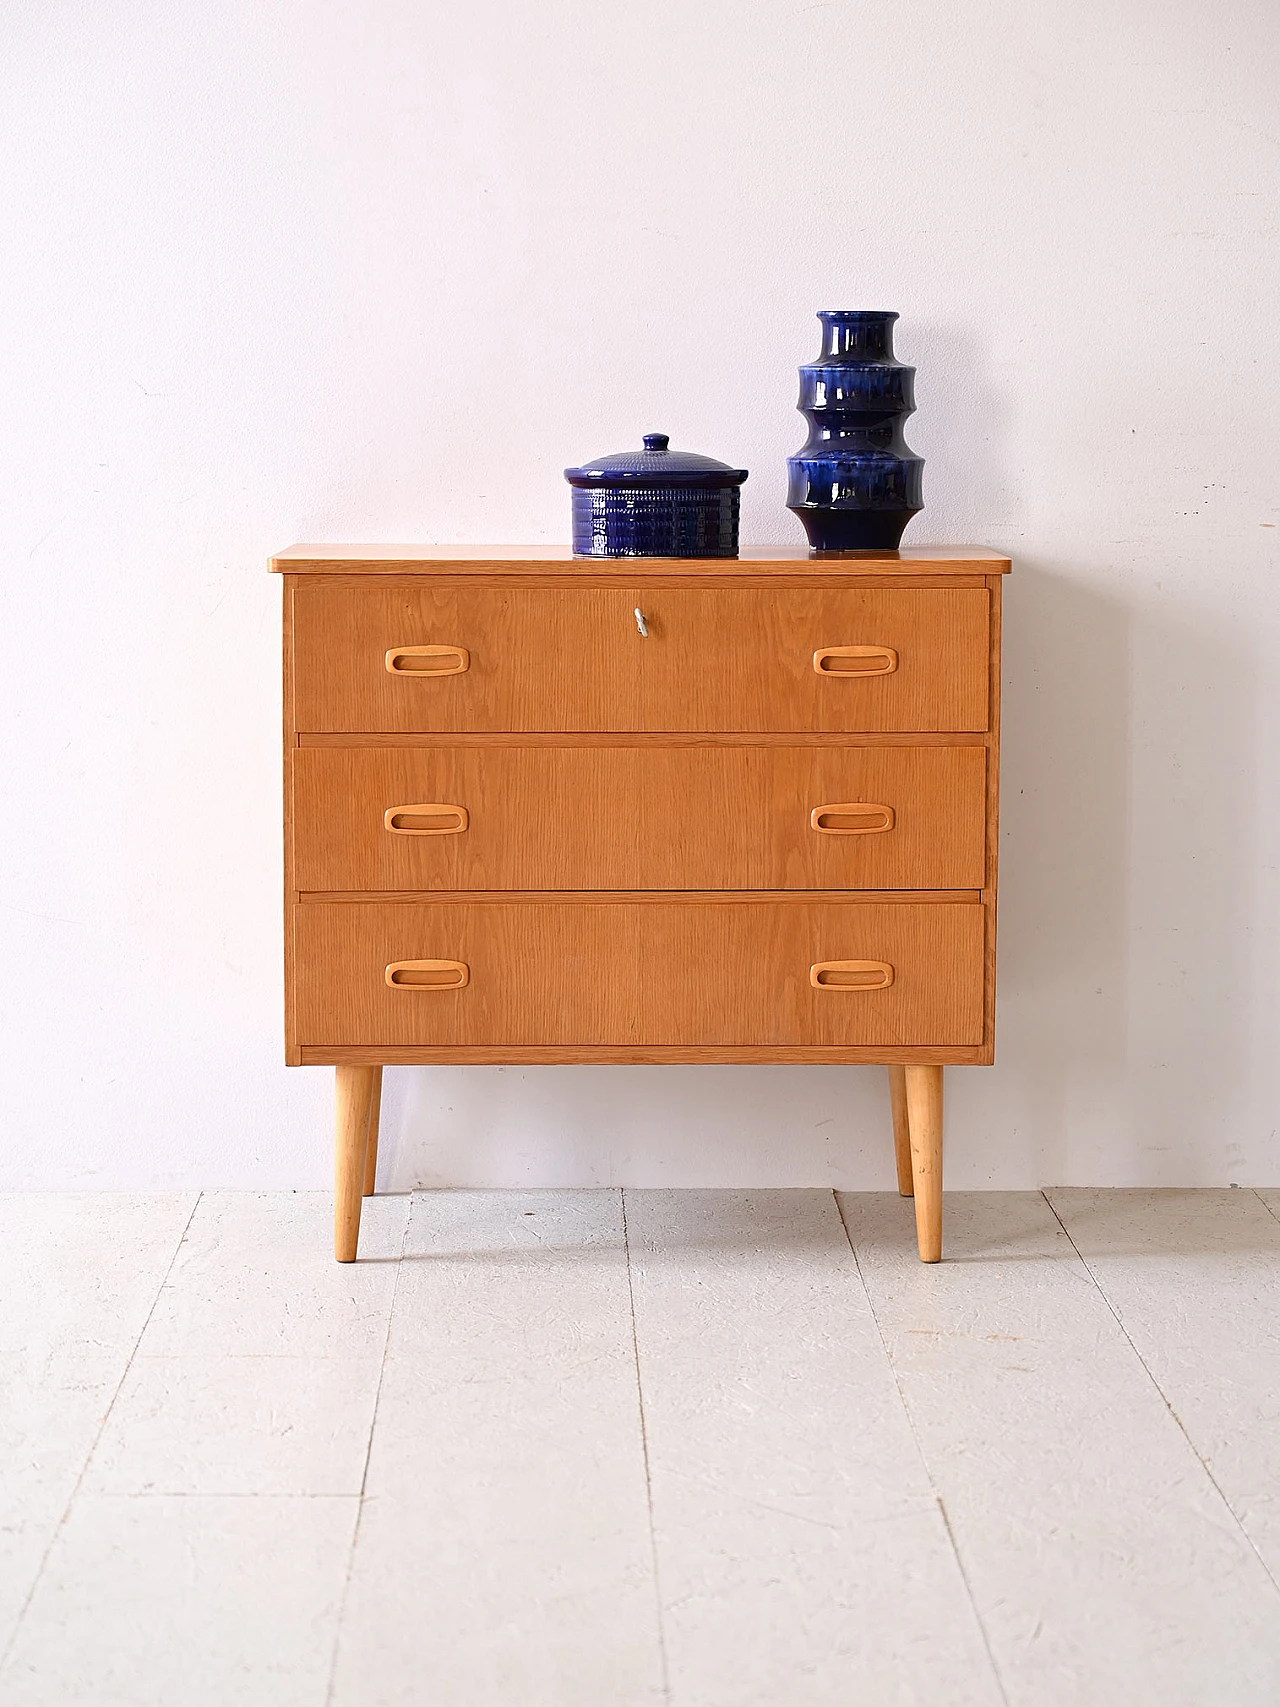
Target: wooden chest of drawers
[{"x": 540, "y": 808}]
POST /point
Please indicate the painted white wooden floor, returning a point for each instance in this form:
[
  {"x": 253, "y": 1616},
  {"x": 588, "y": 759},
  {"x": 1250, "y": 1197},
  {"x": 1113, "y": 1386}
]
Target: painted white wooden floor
[{"x": 581, "y": 1449}]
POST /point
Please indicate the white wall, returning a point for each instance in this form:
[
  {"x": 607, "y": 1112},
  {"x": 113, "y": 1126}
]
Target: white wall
[{"x": 285, "y": 269}]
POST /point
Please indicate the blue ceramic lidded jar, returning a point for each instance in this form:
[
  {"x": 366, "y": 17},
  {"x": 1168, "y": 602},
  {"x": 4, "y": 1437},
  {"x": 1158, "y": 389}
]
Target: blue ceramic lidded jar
[
  {"x": 655, "y": 502},
  {"x": 854, "y": 483}
]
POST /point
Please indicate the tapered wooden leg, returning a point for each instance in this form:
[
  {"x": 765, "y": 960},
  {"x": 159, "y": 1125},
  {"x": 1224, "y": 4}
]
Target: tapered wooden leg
[
  {"x": 371, "y": 1143},
  {"x": 353, "y": 1087},
  {"x": 901, "y": 1128},
  {"x": 924, "y": 1114}
]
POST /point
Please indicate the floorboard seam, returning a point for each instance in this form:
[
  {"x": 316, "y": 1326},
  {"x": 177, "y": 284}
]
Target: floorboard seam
[
  {"x": 102, "y": 1423},
  {"x": 1199, "y": 1456},
  {"x": 368, "y": 1452},
  {"x": 933, "y": 1486},
  {"x": 644, "y": 1448}
]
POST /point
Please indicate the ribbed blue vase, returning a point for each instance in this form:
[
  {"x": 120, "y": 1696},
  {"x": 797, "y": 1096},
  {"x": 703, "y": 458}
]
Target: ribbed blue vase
[
  {"x": 656, "y": 502},
  {"x": 854, "y": 483}
]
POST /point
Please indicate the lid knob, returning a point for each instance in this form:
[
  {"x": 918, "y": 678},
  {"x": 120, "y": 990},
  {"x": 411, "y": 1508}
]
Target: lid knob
[{"x": 656, "y": 441}]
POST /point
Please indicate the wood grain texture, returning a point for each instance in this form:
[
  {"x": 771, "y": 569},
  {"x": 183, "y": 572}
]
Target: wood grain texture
[
  {"x": 289, "y": 740},
  {"x": 737, "y": 659},
  {"x": 640, "y": 897},
  {"x": 996, "y": 587},
  {"x": 674, "y": 974},
  {"x": 353, "y": 1090},
  {"x": 728, "y": 576},
  {"x": 782, "y": 559},
  {"x": 593, "y": 818},
  {"x": 901, "y": 1129},
  {"x": 371, "y": 1143},
  {"x": 924, "y": 1117},
  {"x": 519, "y": 738},
  {"x": 637, "y": 1055}
]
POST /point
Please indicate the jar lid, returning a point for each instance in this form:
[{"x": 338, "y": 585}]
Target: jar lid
[{"x": 655, "y": 465}]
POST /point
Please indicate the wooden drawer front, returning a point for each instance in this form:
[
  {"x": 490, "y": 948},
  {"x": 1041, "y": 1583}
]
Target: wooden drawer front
[
  {"x": 639, "y": 818},
  {"x": 715, "y": 659},
  {"x": 596, "y": 973}
]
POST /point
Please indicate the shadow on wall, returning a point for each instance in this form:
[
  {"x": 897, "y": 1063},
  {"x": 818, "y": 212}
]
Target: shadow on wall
[
  {"x": 1193, "y": 902},
  {"x": 1127, "y": 811},
  {"x": 640, "y": 1126},
  {"x": 1064, "y": 826}
]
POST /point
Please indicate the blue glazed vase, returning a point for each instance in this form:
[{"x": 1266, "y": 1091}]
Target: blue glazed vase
[
  {"x": 854, "y": 483},
  {"x": 655, "y": 502}
]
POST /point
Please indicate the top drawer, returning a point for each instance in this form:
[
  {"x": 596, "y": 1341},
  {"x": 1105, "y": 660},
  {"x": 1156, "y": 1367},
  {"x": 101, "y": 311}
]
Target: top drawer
[{"x": 741, "y": 659}]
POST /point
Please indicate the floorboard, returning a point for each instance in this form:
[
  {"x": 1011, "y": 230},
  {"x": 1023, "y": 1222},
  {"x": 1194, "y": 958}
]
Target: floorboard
[
  {"x": 259, "y": 1367},
  {"x": 672, "y": 1449},
  {"x": 185, "y": 1602},
  {"x": 1102, "y": 1559},
  {"x": 504, "y": 1552},
  {"x": 801, "y": 1552},
  {"x": 1194, "y": 1279},
  {"x": 81, "y": 1275}
]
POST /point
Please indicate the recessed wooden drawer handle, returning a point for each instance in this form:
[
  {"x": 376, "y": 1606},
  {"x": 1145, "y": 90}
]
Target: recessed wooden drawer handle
[
  {"x": 428, "y": 660},
  {"x": 851, "y": 818},
  {"x": 855, "y": 660},
  {"x": 428, "y": 975},
  {"x": 851, "y": 975},
  {"x": 426, "y": 820}
]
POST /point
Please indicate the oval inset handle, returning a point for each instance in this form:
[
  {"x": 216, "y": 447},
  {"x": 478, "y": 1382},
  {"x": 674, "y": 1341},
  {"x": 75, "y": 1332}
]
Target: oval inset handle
[
  {"x": 855, "y": 660},
  {"x": 851, "y": 818},
  {"x": 428, "y": 660},
  {"x": 428, "y": 975},
  {"x": 851, "y": 975},
  {"x": 426, "y": 820}
]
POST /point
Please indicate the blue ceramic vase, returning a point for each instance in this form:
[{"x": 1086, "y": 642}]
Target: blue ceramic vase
[
  {"x": 655, "y": 502},
  {"x": 854, "y": 483}
]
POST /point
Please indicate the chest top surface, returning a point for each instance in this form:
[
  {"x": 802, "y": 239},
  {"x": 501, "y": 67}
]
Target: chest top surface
[{"x": 786, "y": 562}]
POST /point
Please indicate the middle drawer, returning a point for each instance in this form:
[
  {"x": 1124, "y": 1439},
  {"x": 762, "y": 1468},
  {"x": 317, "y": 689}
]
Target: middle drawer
[{"x": 628, "y": 817}]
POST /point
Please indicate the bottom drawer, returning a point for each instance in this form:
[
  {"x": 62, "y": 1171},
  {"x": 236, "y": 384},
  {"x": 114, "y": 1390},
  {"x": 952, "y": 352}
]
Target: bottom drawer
[{"x": 587, "y": 973}]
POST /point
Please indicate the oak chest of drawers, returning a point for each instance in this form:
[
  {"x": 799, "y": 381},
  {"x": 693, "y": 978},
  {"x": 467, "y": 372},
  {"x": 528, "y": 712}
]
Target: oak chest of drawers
[{"x": 543, "y": 808}]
